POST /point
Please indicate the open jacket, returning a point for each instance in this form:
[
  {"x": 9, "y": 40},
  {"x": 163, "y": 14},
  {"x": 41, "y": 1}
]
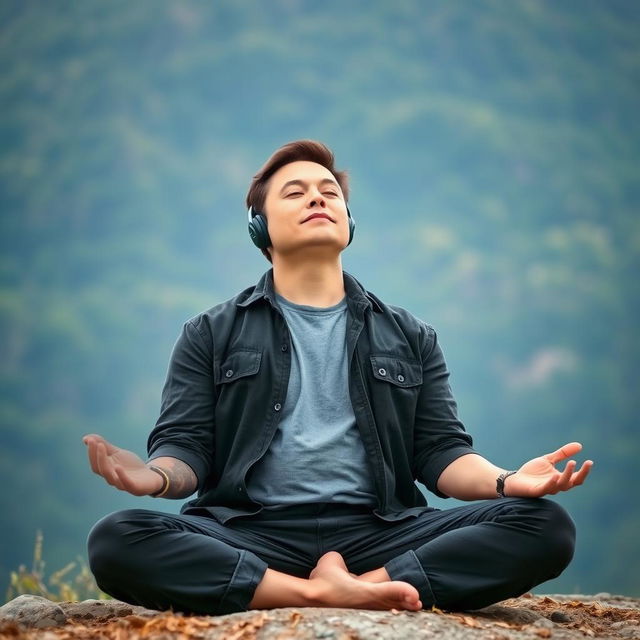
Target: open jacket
[{"x": 227, "y": 383}]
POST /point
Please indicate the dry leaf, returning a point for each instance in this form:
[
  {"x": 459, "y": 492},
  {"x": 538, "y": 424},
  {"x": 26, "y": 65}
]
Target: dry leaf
[
  {"x": 135, "y": 621},
  {"x": 294, "y": 618},
  {"x": 469, "y": 621},
  {"x": 507, "y": 625}
]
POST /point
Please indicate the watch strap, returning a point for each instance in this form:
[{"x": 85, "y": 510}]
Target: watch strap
[{"x": 500, "y": 483}]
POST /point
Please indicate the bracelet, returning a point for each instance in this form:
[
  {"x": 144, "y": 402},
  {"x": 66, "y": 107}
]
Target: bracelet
[
  {"x": 165, "y": 482},
  {"x": 500, "y": 483}
]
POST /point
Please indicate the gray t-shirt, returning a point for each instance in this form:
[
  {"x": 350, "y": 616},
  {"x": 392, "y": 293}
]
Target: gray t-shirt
[{"x": 316, "y": 454}]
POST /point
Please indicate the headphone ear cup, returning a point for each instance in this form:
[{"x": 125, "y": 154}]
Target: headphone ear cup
[
  {"x": 259, "y": 232},
  {"x": 352, "y": 227}
]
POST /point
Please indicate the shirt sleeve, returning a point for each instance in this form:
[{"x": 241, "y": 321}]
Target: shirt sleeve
[
  {"x": 185, "y": 428},
  {"x": 439, "y": 436}
]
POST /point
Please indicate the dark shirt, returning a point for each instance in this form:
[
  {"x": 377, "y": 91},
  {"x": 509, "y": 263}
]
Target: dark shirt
[{"x": 227, "y": 382}]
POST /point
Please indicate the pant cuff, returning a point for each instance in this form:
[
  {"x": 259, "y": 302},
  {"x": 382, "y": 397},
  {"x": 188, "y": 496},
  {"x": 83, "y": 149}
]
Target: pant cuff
[
  {"x": 239, "y": 592},
  {"x": 407, "y": 568}
]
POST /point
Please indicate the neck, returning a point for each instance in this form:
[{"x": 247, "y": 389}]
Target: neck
[{"x": 309, "y": 282}]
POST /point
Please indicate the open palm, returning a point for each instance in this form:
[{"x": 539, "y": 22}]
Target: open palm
[
  {"x": 539, "y": 476},
  {"x": 121, "y": 468}
]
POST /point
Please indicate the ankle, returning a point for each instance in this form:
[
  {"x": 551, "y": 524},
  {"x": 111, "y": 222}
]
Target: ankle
[
  {"x": 278, "y": 589},
  {"x": 315, "y": 592}
]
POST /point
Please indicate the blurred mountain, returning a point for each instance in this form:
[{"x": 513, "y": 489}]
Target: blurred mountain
[{"x": 493, "y": 149}]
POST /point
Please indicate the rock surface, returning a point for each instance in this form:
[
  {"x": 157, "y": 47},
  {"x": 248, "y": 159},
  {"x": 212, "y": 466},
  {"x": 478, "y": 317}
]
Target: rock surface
[
  {"x": 559, "y": 617},
  {"x": 33, "y": 611}
]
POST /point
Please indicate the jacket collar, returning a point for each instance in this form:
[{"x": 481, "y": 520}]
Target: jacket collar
[{"x": 355, "y": 292}]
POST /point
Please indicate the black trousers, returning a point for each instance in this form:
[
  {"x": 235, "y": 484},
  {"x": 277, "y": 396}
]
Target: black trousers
[{"x": 461, "y": 558}]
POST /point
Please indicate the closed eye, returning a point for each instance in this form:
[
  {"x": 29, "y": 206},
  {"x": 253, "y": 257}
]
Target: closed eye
[{"x": 299, "y": 193}]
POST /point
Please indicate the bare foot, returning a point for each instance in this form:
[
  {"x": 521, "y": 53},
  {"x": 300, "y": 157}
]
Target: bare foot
[
  {"x": 377, "y": 575},
  {"x": 334, "y": 586}
]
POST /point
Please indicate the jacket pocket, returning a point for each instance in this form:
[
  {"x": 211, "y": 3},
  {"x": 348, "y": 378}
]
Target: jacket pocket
[
  {"x": 396, "y": 371},
  {"x": 240, "y": 364}
]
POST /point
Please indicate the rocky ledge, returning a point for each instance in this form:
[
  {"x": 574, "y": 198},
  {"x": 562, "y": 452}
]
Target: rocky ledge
[{"x": 560, "y": 617}]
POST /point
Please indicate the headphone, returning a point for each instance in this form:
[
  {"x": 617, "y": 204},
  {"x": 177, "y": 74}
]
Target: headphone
[{"x": 260, "y": 233}]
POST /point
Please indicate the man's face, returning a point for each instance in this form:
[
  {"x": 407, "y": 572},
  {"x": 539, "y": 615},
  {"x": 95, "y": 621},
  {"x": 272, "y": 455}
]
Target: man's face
[{"x": 305, "y": 208}]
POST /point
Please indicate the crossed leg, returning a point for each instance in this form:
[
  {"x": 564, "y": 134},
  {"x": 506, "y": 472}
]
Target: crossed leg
[
  {"x": 466, "y": 557},
  {"x": 330, "y": 584}
]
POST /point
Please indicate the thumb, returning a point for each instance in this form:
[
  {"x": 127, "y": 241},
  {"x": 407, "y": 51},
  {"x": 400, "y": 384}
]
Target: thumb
[
  {"x": 139, "y": 484},
  {"x": 564, "y": 452}
]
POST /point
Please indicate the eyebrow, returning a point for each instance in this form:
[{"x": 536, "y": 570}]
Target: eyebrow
[{"x": 302, "y": 183}]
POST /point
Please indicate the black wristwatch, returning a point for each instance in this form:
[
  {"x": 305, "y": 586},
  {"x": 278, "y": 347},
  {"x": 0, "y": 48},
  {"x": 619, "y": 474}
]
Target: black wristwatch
[{"x": 500, "y": 483}]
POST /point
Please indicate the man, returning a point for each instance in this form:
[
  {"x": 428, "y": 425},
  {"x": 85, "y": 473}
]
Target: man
[{"x": 303, "y": 411}]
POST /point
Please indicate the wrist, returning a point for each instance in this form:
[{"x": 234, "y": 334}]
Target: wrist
[
  {"x": 501, "y": 481},
  {"x": 164, "y": 482}
]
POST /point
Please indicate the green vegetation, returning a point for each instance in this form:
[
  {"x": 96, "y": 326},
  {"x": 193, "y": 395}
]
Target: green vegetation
[
  {"x": 73, "y": 582},
  {"x": 494, "y": 150}
]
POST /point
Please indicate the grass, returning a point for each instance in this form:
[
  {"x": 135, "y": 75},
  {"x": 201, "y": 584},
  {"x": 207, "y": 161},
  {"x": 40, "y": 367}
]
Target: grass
[{"x": 73, "y": 582}]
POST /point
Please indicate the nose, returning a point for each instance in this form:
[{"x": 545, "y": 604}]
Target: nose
[{"x": 316, "y": 199}]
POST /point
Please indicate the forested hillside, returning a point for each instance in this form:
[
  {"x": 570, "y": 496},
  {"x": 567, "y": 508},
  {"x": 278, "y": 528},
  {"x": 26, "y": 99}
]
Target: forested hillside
[{"x": 493, "y": 148}]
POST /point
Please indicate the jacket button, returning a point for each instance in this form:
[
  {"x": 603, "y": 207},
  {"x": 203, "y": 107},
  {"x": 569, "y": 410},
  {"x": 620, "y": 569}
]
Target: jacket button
[
  {"x": 400, "y": 378},
  {"x": 277, "y": 406},
  {"x": 239, "y": 489},
  {"x": 229, "y": 373},
  {"x": 382, "y": 372},
  {"x": 284, "y": 347}
]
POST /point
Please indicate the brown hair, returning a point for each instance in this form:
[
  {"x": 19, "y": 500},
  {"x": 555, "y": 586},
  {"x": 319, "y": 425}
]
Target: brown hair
[{"x": 309, "y": 150}]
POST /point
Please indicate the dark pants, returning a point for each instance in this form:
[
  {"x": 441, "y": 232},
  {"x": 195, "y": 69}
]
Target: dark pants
[{"x": 461, "y": 558}]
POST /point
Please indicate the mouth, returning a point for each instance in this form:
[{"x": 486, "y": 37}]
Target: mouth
[{"x": 317, "y": 214}]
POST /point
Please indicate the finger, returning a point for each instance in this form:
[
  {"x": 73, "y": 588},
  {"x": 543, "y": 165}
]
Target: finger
[
  {"x": 564, "y": 479},
  {"x": 116, "y": 478},
  {"x": 92, "y": 450},
  {"x": 564, "y": 452},
  {"x": 124, "y": 481},
  {"x": 547, "y": 488},
  {"x": 550, "y": 487},
  {"x": 92, "y": 440},
  {"x": 105, "y": 465},
  {"x": 100, "y": 454},
  {"x": 579, "y": 477},
  {"x": 127, "y": 483},
  {"x": 110, "y": 448}
]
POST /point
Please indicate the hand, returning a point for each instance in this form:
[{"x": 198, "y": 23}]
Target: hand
[
  {"x": 539, "y": 477},
  {"x": 121, "y": 468}
]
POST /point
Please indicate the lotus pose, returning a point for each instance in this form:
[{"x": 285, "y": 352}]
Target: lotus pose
[{"x": 302, "y": 412}]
